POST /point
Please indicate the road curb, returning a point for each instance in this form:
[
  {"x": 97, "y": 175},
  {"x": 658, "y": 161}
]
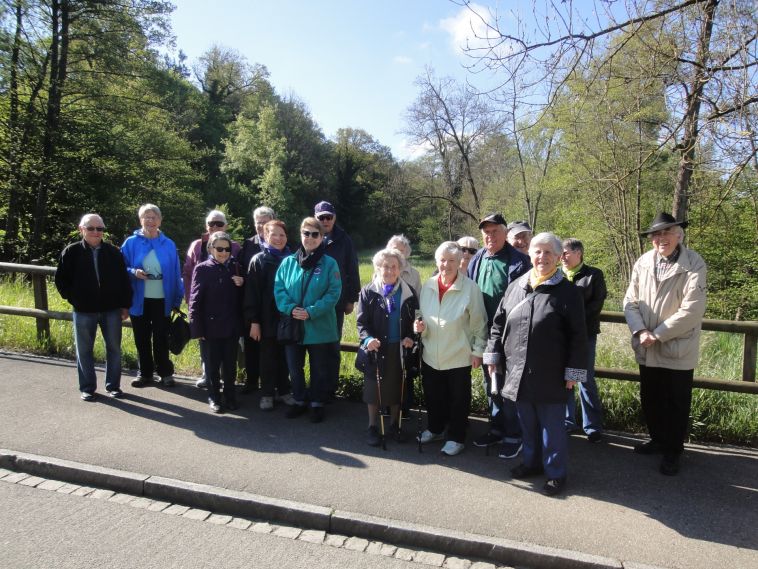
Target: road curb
[{"x": 307, "y": 516}]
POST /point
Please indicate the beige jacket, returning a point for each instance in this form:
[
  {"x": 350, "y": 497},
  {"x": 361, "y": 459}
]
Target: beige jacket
[
  {"x": 672, "y": 310},
  {"x": 456, "y": 329}
]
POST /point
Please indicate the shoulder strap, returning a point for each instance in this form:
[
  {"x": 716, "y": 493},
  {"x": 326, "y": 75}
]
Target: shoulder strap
[{"x": 305, "y": 287}]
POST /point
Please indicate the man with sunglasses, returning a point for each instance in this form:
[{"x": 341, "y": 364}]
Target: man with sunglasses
[
  {"x": 92, "y": 277},
  {"x": 493, "y": 268},
  {"x": 197, "y": 253}
]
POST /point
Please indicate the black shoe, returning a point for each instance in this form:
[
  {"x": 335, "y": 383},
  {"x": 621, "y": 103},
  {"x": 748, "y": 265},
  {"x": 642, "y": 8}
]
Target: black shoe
[
  {"x": 524, "y": 471},
  {"x": 232, "y": 406},
  {"x": 650, "y": 447},
  {"x": 141, "y": 381},
  {"x": 373, "y": 438},
  {"x": 87, "y": 396},
  {"x": 116, "y": 393},
  {"x": 488, "y": 439},
  {"x": 317, "y": 414},
  {"x": 554, "y": 486},
  {"x": 295, "y": 411},
  {"x": 595, "y": 437},
  {"x": 398, "y": 434},
  {"x": 249, "y": 388},
  {"x": 670, "y": 464},
  {"x": 167, "y": 381}
]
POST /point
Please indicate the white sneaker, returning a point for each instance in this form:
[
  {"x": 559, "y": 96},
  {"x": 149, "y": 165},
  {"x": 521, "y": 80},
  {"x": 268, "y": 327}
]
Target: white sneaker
[
  {"x": 287, "y": 399},
  {"x": 452, "y": 448},
  {"x": 427, "y": 436},
  {"x": 267, "y": 403}
]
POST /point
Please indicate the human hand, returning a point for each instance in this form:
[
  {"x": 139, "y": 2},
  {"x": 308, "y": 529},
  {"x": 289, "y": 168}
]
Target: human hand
[
  {"x": 140, "y": 274},
  {"x": 349, "y": 307},
  {"x": 419, "y": 326},
  {"x": 238, "y": 281},
  {"x": 647, "y": 339},
  {"x": 570, "y": 384},
  {"x": 255, "y": 331},
  {"x": 300, "y": 313},
  {"x": 407, "y": 343},
  {"x": 476, "y": 361},
  {"x": 373, "y": 345}
]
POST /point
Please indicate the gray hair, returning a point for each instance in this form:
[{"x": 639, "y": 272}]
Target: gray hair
[
  {"x": 468, "y": 241},
  {"x": 575, "y": 245},
  {"x": 402, "y": 240},
  {"x": 215, "y": 213},
  {"x": 547, "y": 238},
  {"x": 385, "y": 254},
  {"x": 263, "y": 211},
  {"x": 149, "y": 207},
  {"x": 217, "y": 236},
  {"x": 448, "y": 247},
  {"x": 87, "y": 216}
]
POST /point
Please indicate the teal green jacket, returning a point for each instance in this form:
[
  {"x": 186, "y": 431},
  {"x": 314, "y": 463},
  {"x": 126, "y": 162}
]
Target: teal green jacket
[{"x": 320, "y": 299}]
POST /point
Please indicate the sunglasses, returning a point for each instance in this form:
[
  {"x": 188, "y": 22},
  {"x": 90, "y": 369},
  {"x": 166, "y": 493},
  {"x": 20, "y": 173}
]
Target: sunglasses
[
  {"x": 326, "y": 217},
  {"x": 223, "y": 249},
  {"x": 313, "y": 234},
  {"x": 468, "y": 250},
  {"x": 216, "y": 223},
  {"x": 98, "y": 228}
]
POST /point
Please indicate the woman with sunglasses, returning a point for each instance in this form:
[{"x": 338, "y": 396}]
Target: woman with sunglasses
[
  {"x": 197, "y": 253},
  {"x": 215, "y": 311},
  {"x": 469, "y": 246},
  {"x": 307, "y": 287},
  {"x": 153, "y": 265}
]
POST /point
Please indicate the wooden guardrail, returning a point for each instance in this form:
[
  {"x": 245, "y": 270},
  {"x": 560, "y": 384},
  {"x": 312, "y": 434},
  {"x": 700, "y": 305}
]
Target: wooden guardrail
[{"x": 749, "y": 330}]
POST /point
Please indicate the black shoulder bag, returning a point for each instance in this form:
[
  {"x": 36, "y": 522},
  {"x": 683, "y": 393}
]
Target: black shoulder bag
[{"x": 291, "y": 330}]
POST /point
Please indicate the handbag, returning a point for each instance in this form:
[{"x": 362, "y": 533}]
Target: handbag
[
  {"x": 178, "y": 331},
  {"x": 290, "y": 330}
]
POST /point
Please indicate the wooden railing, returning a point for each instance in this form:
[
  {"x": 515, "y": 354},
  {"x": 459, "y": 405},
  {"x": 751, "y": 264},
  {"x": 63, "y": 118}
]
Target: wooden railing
[{"x": 749, "y": 330}]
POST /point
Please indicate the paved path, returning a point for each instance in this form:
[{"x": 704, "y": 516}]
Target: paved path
[{"x": 617, "y": 504}]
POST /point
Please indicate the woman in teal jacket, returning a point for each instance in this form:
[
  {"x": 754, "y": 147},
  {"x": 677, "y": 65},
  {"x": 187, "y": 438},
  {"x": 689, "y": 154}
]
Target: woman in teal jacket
[
  {"x": 153, "y": 265},
  {"x": 307, "y": 287}
]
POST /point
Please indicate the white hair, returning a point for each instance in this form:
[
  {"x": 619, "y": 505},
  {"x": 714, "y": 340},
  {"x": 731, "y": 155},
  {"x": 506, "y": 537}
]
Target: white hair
[
  {"x": 468, "y": 241},
  {"x": 547, "y": 238},
  {"x": 402, "y": 240},
  {"x": 263, "y": 211},
  {"x": 449, "y": 247},
  {"x": 149, "y": 207},
  {"x": 87, "y": 216},
  {"x": 215, "y": 214}
]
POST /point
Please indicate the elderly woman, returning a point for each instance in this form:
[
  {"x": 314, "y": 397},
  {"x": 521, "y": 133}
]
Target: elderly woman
[
  {"x": 539, "y": 338},
  {"x": 215, "y": 308},
  {"x": 408, "y": 273},
  {"x": 454, "y": 333},
  {"x": 262, "y": 316},
  {"x": 469, "y": 246},
  {"x": 153, "y": 264},
  {"x": 386, "y": 309},
  {"x": 307, "y": 287}
]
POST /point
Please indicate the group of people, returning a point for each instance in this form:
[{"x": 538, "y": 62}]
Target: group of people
[{"x": 525, "y": 308}]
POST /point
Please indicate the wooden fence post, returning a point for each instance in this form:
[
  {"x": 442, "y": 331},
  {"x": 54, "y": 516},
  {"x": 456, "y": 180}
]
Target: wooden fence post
[
  {"x": 748, "y": 357},
  {"x": 39, "y": 285}
]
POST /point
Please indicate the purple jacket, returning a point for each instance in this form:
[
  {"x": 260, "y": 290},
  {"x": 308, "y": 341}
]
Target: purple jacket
[{"x": 215, "y": 304}]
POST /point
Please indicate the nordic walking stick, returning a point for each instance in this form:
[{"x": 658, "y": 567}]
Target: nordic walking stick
[
  {"x": 379, "y": 401},
  {"x": 420, "y": 364}
]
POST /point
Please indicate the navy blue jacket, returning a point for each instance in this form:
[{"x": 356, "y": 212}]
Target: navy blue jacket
[
  {"x": 340, "y": 247},
  {"x": 215, "y": 305},
  {"x": 260, "y": 304}
]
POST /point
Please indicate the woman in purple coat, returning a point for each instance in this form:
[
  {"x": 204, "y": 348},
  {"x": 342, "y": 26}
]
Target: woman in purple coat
[{"x": 215, "y": 311}]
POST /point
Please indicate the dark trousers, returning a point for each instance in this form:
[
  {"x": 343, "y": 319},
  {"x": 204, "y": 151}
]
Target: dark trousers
[
  {"x": 275, "y": 377},
  {"x": 151, "y": 339},
  {"x": 448, "y": 400},
  {"x": 221, "y": 356},
  {"x": 666, "y": 396},
  {"x": 335, "y": 356},
  {"x": 318, "y": 354},
  {"x": 253, "y": 362},
  {"x": 503, "y": 417},
  {"x": 544, "y": 437}
]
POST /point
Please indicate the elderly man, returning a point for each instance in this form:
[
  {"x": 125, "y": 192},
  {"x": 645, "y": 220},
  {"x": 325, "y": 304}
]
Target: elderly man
[
  {"x": 92, "y": 277},
  {"x": 493, "y": 268},
  {"x": 520, "y": 235},
  {"x": 591, "y": 283},
  {"x": 664, "y": 307}
]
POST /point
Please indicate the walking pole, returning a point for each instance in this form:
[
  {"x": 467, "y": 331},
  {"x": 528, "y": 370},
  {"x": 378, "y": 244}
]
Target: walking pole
[
  {"x": 402, "y": 388},
  {"x": 420, "y": 364},
  {"x": 379, "y": 401}
]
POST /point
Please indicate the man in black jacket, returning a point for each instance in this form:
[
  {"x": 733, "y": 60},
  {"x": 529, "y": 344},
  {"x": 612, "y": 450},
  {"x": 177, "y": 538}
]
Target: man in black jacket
[
  {"x": 591, "y": 284},
  {"x": 92, "y": 277}
]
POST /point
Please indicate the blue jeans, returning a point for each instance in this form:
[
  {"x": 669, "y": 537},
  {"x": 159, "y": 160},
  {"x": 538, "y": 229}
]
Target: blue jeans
[
  {"x": 321, "y": 384},
  {"x": 85, "y": 330},
  {"x": 503, "y": 415},
  {"x": 545, "y": 438},
  {"x": 592, "y": 408}
]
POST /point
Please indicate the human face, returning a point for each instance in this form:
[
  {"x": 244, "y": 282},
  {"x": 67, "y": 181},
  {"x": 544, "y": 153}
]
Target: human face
[
  {"x": 666, "y": 240},
  {"x": 277, "y": 238},
  {"x": 520, "y": 241},
  {"x": 571, "y": 258},
  {"x": 389, "y": 270},
  {"x": 221, "y": 256},
  {"x": 493, "y": 236},
  {"x": 448, "y": 265},
  {"x": 260, "y": 221},
  {"x": 92, "y": 230},
  {"x": 544, "y": 259},
  {"x": 310, "y": 241},
  {"x": 327, "y": 220},
  {"x": 150, "y": 222},
  {"x": 212, "y": 225}
]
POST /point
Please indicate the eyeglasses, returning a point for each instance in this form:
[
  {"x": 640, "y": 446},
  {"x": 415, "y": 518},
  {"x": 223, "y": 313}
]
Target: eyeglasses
[
  {"x": 313, "y": 234},
  {"x": 98, "y": 228},
  {"x": 223, "y": 249},
  {"x": 468, "y": 250},
  {"x": 325, "y": 217},
  {"x": 216, "y": 223}
]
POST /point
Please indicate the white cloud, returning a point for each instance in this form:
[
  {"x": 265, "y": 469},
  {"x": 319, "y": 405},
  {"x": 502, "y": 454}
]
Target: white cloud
[
  {"x": 402, "y": 60},
  {"x": 471, "y": 28}
]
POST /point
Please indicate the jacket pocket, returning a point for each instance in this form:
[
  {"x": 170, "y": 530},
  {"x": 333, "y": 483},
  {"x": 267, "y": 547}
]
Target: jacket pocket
[{"x": 678, "y": 348}]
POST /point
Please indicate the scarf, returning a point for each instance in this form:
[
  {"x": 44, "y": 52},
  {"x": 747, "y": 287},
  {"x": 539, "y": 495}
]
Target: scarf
[
  {"x": 535, "y": 280},
  {"x": 388, "y": 292},
  {"x": 571, "y": 273},
  {"x": 309, "y": 260},
  {"x": 274, "y": 252}
]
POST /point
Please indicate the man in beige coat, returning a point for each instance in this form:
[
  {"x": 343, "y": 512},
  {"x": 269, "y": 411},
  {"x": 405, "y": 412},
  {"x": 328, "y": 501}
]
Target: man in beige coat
[{"x": 664, "y": 307}]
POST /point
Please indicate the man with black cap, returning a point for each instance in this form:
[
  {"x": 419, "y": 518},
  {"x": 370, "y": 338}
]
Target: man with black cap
[
  {"x": 340, "y": 247},
  {"x": 520, "y": 235},
  {"x": 664, "y": 307},
  {"x": 493, "y": 268}
]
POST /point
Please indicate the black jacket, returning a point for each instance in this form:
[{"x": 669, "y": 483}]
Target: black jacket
[
  {"x": 250, "y": 248},
  {"x": 260, "y": 305},
  {"x": 340, "y": 247},
  {"x": 591, "y": 284},
  {"x": 77, "y": 281}
]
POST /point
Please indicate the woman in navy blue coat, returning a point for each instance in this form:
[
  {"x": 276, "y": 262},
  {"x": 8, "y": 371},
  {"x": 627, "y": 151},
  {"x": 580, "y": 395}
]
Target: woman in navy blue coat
[{"x": 215, "y": 311}]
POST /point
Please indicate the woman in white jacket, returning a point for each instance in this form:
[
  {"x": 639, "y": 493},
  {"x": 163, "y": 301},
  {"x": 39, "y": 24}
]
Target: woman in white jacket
[{"x": 454, "y": 334}]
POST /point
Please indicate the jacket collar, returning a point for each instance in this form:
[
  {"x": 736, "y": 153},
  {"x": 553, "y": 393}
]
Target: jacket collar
[{"x": 405, "y": 290}]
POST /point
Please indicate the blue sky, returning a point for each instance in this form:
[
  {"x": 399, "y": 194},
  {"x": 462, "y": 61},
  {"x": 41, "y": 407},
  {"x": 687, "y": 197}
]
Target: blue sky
[{"x": 353, "y": 62}]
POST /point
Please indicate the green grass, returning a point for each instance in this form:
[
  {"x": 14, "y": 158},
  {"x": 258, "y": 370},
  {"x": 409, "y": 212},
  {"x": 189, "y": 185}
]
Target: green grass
[{"x": 716, "y": 416}]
